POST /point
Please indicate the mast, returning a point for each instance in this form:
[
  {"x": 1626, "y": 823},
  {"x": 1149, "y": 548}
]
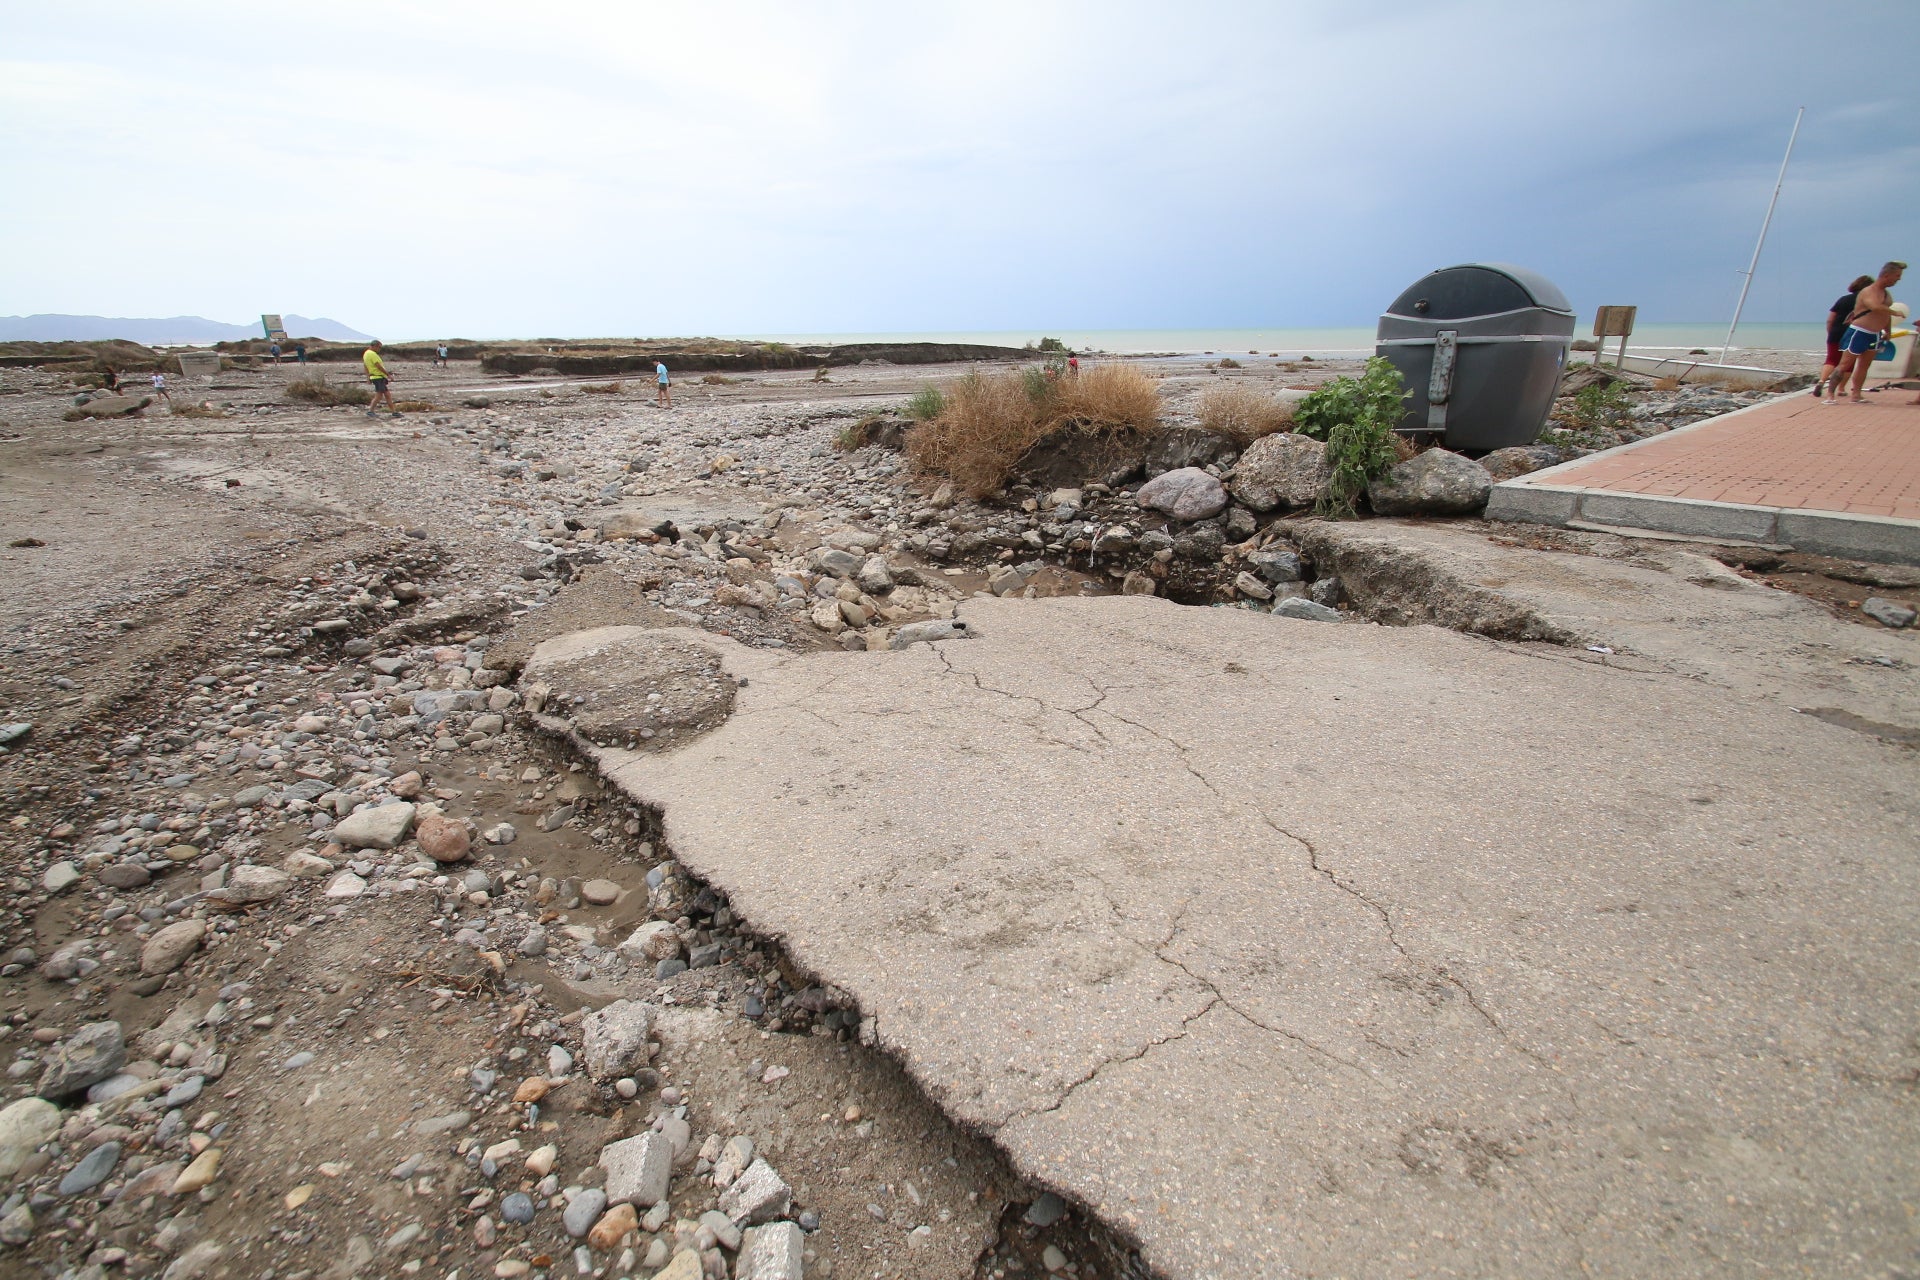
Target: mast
[{"x": 1764, "y": 224}]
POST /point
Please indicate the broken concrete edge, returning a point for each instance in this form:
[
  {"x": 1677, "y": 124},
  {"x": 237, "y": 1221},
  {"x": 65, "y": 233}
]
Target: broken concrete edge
[
  {"x": 609, "y": 763},
  {"x": 1392, "y": 584},
  {"x": 1845, "y": 535}
]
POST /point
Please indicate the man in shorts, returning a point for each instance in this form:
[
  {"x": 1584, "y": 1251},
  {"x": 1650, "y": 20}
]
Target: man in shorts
[
  {"x": 440, "y": 355},
  {"x": 377, "y": 375},
  {"x": 664, "y": 400},
  {"x": 159, "y": 381},
  {"x": 1869, "y": 324},
  {"x": 1836, "y": 325}
]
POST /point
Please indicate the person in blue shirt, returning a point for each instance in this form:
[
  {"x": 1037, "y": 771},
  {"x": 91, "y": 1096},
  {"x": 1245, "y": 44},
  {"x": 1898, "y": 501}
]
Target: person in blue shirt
[{"x": 665, "y": 399}]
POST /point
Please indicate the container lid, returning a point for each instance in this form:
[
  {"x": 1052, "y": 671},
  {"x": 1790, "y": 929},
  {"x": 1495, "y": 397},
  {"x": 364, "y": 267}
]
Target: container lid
[{"x": 1478, "y": 289}]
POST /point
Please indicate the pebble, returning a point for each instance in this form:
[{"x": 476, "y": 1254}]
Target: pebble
[
  {"x": 198, "y": 1174},
  {"x": 93, "y": 1169},
  {"x": 559, "y": 1061},
  {"x": 600, "y": 892},
  {"x": 587, "y": 1207},
  {"x": 517, "y": 1208}
]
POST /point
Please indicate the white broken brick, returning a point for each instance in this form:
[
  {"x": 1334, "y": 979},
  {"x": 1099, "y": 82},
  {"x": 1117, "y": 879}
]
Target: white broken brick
[
  {"x": 638, "y": 1169},
  {"x": 756, "y": 1196},
  {"x": 772, "y": 1252}
]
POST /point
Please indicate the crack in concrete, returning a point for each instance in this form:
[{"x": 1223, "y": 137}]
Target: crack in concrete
[{"x": 1186, "y": 1024}]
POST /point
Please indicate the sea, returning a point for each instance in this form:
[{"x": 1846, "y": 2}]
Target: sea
[{"x": 1662, "y": 339}]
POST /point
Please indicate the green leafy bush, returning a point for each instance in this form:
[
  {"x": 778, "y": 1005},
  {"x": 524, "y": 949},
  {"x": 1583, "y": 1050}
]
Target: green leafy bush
[
  {"x": 1600, "y": 408},
  {"x": 1356, "y": 418},
  {"x": 926, "y": 404}
]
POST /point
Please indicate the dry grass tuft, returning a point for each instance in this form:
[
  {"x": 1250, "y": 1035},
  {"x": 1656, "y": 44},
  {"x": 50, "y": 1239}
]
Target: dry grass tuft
[
  {"x": 604, "y": 388},
  {"x": 989, "y": 421},
  {"x": 719, "y": 380},
  {"x": 1228, "y": 362},
  {"x": 1668, "y": 383},
  {"x": 198, "y": 411},
  {"x": 415, "y": 406},
  {"x": 1242, "y": 413},
  {"x": 315, "y": 389}
]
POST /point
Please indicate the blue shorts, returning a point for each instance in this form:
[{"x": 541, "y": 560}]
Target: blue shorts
[{"x": 1857, "y": 341}]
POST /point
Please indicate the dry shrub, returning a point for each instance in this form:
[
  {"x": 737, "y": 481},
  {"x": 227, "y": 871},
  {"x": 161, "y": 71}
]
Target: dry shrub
[
  {"x": 1668, "y": 383},
  {"x": 1404, "y": 447},
  {"x": 1242, "y": 413},
  {"x": 415, "y": 406},
  {"x": 990, "y": 420},
  {"x": 198, "y": 411},
  {"x": 315, "y": 389},
  {"x": 719, "y": 380},
  {"x": 604, "y": 388}
]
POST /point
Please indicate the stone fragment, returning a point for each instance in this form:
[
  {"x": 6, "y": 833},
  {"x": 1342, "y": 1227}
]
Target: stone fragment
[
  {"x": 17, "y": 1227},
  {"x": 1138, "y": 584},
  {"x": 345, "y": 884},
  {"x": 1282, "y": 470},
  {"x": 24, "y": 1125},
  {"x": 579, "y": 1217},
  {"x": 124, "y": 875},
  {"x": 756, "y": 1195},
  {"x": 655, "y": 940},
  {"x": 379, "y": 827},
  {"x": 638, "y": 1169},
  {"x": 249, "y": 885},
  {"x": 686, "y": 1265},
  {"x": 84, "y": 1058},
  {"x": 1186, "y": 493},
  {"x": 614, "y": 1225},
  {"x": 929, "y": 631},
  {"x": 1277, "y": 564},
  {"x": 1888, "y": 613},
  {"x": 202, "y": 1171},
  {"x": 600, "y": 893},
  {"x": 772, "y": 1252},
  {"x": 1005, "y": 580},
  {"x": 722, "y": 1227},
  {"x": 60, "y": 876},
  {"x": 1306, "y": 610},
  {"x": 875, "y": 578},
  {"x": 94, "y": 1168},
  {"x": 302, "y": 865},
  {"x": 1248, "y": 585},
  {"x": 1434, "y": 483},
  {"x": 614, "y": 1039}
]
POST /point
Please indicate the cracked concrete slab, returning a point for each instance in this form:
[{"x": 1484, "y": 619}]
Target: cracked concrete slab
[{"x": 1293, "y": 948}]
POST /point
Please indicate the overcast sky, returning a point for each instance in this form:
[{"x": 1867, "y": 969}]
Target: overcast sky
[{"x": 514, "y": 169}]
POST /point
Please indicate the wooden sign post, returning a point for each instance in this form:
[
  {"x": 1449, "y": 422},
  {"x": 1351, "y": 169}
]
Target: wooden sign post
[{"x": 1613, "y": 322}]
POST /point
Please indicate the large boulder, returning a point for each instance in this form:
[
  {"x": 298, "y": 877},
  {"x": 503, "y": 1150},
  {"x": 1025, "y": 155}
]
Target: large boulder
[
  {"x": 1434, "y": 483},
  {"x": 24, "y": 1125},
  {"x": 114, "y": 406},
  {"x": 1282, "y": 470},
  {"x": 1186, "y": 494}
]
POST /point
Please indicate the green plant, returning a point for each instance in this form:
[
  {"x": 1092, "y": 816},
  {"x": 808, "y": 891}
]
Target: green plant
[
  {"x": 1600, "y": 408},
  {"x": 926, "y": 404},
  {"x": 1356, "y": 418},
  {"x": 1053, "y": 344}
]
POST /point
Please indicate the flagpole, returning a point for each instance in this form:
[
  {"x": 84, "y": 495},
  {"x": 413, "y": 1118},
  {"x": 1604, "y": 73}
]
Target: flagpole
[{"x": 1764, "y": 224}]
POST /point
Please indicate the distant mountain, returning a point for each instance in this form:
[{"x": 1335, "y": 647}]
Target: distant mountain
[{"x": 174, "y": 331}]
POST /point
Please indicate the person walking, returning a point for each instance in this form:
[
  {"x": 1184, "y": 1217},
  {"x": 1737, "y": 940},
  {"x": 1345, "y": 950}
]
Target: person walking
[
  {"x": 1836, "y": 325},
  {"x": 300, "y": 352},
  {"x": 274, "y": 351},
  {"x": 377, "y": 375},
  {"x": 440, "y": 355},
  {"x": 663, "y": 400},
  {"x": 1867, "y": 328},
  {"x": 159, "y": 381}
]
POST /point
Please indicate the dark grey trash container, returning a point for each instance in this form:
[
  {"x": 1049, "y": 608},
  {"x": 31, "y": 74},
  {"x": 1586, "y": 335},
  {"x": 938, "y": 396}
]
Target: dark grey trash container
[{"x": 1481, "y": 347}]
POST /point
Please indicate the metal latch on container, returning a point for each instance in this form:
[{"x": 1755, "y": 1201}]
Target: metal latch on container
[{"x": 1446, "y": 344}]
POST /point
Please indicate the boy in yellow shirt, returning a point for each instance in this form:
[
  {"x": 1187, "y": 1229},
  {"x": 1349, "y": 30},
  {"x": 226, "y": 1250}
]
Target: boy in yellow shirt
[{"x": 377, "y": 375}]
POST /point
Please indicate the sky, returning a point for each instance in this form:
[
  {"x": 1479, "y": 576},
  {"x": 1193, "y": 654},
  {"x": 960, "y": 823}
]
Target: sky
[{"x": 576, "y": 169}]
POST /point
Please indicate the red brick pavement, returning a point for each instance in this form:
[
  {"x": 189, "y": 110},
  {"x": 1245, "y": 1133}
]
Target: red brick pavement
[{"x": 1863, "y": 459}]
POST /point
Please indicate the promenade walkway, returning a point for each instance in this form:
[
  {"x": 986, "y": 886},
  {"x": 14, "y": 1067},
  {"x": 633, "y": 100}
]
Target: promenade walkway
[{"x": 1841, "y": 480}]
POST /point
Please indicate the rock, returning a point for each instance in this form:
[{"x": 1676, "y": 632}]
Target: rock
[
  {"x": 534, "y": 942},
  {"x": 1138, "y": 584},
  {"x": 1046, "y": 1210},
  {"x": 1434, "y": 483},
  {"x": 115, "y": 406},
  {"x": 655, "y": 940},
  {"x": 1306, "y": 610},
  {"x": 199, "y": 1259},
  {"x": 407, "y": 785},
  {"x": 379, "y": 827},
  {"x": 1186, "y": 447},
  {"x": 85, "y": 1058},
  {"x": 93, "y": 1169},
  {"x": 13, "y": 731},
  {"x": 517, "y": 1208},
  {"x": 638, "y": 1169},
  {"x": 124, "y": 875},
  {"x": 1276, "y": 564},
  {"x": 1248, "y": 585},
  {"x": 928, "y": 632},
  {"x": 722, "y": 1227},
  {"x": 17, "y": 1227},
  {"x": 1518, "y": 460},
  {"x": 24, "y": 1125},
  {"x": 183, "y": 853},
  {"x": 442, "y": 839},
  {"x": 1888, "y": 613},
  {"x": 875, "y": 578},
  {"x": 756, "y": 1195},
  {"x": 613, "y": 1040},
  {"x": 837, "y": 563},
  {"x": 501, "y": 833},
  {"x": 559, "y": 1062},
  {"x": 202, "y": 1171},
  {"x": 539, "y": 1162},
  {"x": 60, "y": 876},
  {"x": 168, "y": 949},
  {"x": 600, "y": 893},
  {"x": 587, "y": 1207},
  {"x": 772, "y": 1252},
  {"x": 302, "y": 865},
  {"x": 345, "y": 884},
  {"x": 251, "y": 884},
  {"x": 1327, "y": 591},
  {"x": 1282, "y": 470},
  {"x": 686, "y": 1265},
  {"x": 1005, "y": 580},
  {"x": 1184, "y": 494},
  {"x": 614, "y": 1225}
]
